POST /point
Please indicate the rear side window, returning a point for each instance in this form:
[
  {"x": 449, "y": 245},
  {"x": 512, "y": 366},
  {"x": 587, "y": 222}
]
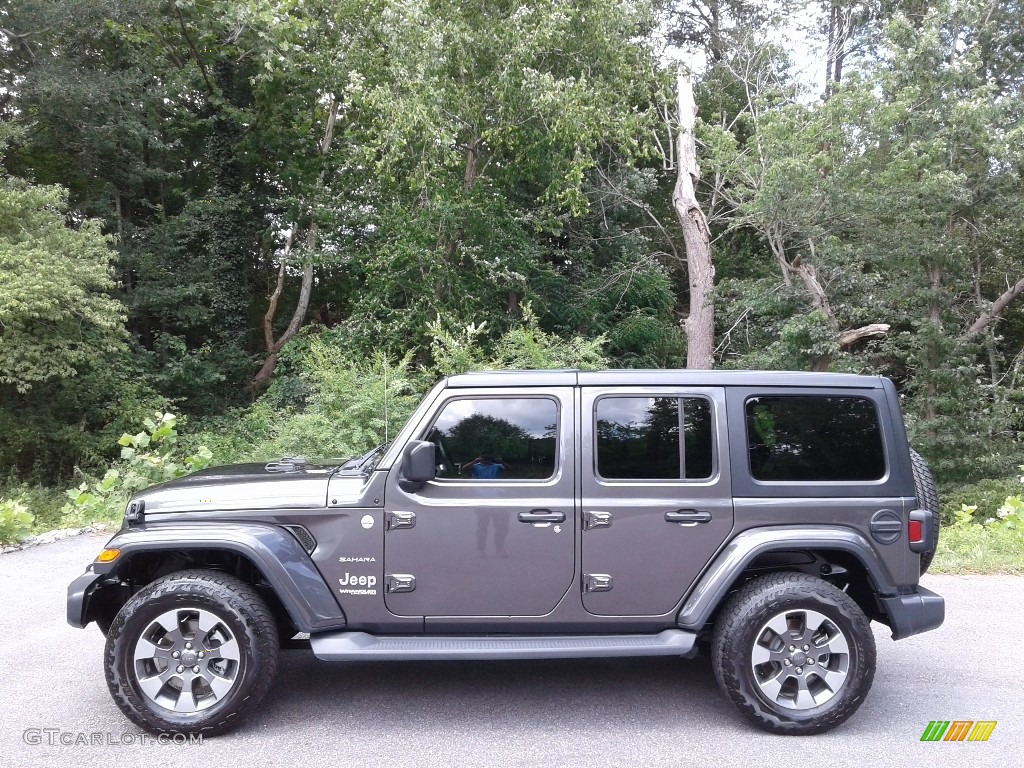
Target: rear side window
[
  {"x": 811, "y": 438},
  {"x": 638, "y": 438}
]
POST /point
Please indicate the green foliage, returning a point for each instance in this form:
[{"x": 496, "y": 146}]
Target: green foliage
[
  {"x": 885, "y": 203},
  {"x": 43, "y": 502},
  {"x": 983, "y": 498},
  {"x": 56, "y": 314},
  {"x": 148, "y": 457},
  {"x": 976, "y": 549},
  {"x": 66, "y": 423},
  {"x": 330, "y": 401},
  {"x": 984, "y": 543},
  {"x": 345, "y": 406},
  {"x": 15, "y": 521},
  {"x": 1009, "y": 517},
  {"x": 523, "y": 347},
  {"x": 490, "y": 156}
]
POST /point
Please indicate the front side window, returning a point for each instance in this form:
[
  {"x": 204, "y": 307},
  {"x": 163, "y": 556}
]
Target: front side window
[
  {"x": 638, "y": 438},
  {"x": 496, "y": 438},
  {"x": 814, "y": 438}
]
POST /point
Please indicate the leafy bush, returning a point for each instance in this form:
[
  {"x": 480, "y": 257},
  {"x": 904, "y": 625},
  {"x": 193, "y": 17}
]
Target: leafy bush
[
  {"x": 524, "y": 347},
  {"x": 149, "y": 457},
  {"x": 1009, "y": 517},
  {"x": 44, "y": 503},
  {"x": 15, "y": 521},
  {"x": 994, "y": 544},
  {"x": 332, "y": 400},
  {"x": 348, "y": 405},
  {"x": 985, "y": 496}
]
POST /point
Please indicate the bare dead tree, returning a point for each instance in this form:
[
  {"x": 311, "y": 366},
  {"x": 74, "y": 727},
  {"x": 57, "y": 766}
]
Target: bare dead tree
[{"x": 700, "y": 323}]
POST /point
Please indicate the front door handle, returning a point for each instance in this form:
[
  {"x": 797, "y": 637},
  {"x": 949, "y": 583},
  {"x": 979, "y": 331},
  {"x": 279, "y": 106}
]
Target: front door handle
[
  {"x": 688, "y": 516},
  {"x": 541, "y": 516}
]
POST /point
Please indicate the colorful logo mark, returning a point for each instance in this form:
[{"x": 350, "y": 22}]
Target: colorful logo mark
[{"x": 958, "y": 730}]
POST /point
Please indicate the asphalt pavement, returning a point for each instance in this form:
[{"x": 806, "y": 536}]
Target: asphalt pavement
[{"x": 55, "y": 708}]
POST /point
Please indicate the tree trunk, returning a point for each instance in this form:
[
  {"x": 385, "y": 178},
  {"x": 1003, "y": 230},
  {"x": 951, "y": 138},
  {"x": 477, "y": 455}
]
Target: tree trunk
[
  {"x": 266, "y": 373},
  {"x": 840, "y": 22},
  {"x": 700, "y": 324},
  {"x": 931, "y": 354}
]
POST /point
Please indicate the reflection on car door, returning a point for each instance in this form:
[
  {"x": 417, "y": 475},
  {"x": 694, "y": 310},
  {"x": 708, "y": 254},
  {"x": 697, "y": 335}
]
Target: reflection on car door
[
  {"x": 657, "y": 500},
  {"x": 493, "y": 534}
]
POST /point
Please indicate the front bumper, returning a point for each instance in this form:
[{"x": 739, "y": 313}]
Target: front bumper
[
  {"x": 915, "y": 613},
  {"x": 79, "y": 592}
]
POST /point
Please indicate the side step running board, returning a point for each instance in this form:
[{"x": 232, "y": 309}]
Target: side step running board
[{"x": 356, "y": 646}]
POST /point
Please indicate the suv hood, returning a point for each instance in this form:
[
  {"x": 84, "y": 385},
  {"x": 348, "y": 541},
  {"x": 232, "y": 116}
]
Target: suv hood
[{"x": 241, "y": 487}]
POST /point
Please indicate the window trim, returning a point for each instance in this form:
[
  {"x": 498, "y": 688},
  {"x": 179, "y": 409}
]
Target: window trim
[{"x": 646, "y": 481}]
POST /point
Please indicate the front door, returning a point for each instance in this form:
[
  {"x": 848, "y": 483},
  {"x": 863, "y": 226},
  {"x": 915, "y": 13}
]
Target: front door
[
  {"x": 493, "y": 534},
  {"x": 657, "y": 499}
]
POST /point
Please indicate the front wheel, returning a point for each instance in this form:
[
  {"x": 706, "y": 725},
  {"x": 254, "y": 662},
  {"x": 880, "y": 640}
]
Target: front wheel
[
  {"x": 794, "y": 653},
  {"x": 193, "y": 653}
]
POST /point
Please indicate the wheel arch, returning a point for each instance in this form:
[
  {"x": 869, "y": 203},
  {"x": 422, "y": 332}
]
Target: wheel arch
[
  {"x": 267, "y": 557},
  {"x": 842, "y": 557}
]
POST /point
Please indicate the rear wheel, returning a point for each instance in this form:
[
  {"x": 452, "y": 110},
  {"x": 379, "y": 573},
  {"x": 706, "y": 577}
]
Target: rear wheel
[
  {"x": 193, "y": 652},
  {"x": 793, "y": 653}
]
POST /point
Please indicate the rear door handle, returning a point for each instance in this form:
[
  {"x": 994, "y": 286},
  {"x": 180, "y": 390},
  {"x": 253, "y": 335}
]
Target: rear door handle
[
  {"x": 688, "y": 516},
  {"x": 541, "y": 516}
]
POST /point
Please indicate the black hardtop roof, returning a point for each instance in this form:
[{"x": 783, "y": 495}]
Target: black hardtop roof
[{"x": 663, "y": 377}]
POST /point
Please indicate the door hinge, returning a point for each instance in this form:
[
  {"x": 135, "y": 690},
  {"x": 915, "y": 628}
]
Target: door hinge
[
  {"x": 399, "y": 582},
  {"x": 597, "y": 582},
  {"x": 595, "y": 519},
  {"x": 395, "y": 520}
]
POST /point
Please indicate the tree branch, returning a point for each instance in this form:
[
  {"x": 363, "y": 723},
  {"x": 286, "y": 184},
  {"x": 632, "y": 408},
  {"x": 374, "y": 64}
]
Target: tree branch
[
  {"x": 195, "y": 52},
  {"x": 994, "y": 311}
]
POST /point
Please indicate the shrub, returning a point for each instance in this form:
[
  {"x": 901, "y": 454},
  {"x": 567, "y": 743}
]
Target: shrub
[
  {"x": 15, "y": 521},
  {"x": 148, "y": 457},
  {"x": 985, "y": 495}
]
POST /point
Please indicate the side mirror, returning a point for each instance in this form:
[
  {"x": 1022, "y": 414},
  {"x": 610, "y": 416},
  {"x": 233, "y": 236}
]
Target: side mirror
[{"x": 418, "y": 464}]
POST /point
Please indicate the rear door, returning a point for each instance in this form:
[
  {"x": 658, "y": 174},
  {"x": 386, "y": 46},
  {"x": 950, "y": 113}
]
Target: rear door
[{"x": 656, "y": 495}]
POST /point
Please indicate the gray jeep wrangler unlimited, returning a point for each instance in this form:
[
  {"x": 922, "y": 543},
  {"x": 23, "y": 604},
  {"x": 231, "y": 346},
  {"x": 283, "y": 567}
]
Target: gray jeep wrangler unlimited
[{"x": 768, "y": 517}]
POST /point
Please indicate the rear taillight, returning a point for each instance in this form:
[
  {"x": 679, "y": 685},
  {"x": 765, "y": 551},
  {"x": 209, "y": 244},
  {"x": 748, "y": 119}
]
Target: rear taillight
[{"x": 915, "y": 532}]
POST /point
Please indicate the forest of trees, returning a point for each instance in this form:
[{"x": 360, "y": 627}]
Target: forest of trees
[{"x": 263, "y": 213}]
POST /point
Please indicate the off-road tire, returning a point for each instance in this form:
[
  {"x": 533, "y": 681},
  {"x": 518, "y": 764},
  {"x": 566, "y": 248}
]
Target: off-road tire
[
  {"x": 927, "y": 498},
  {"x": 742, "y": 632},
  {"x": 242, "y": 645}
]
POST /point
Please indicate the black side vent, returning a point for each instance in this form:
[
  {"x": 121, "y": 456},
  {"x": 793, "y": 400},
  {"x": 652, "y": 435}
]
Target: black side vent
[
  {"x": 287, "y": 464},
  {"x": 305, "y": 537}
]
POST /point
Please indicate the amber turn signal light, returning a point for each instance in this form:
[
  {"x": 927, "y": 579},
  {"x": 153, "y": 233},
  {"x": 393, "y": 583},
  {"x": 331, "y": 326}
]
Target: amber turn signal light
[{"x": 107, "y": 555}]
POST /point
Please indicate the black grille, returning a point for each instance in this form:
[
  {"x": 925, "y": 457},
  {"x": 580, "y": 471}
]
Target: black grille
[{"x": 305, "y": 537}]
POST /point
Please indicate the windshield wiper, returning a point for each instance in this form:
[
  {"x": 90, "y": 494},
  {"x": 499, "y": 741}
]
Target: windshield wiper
[{"x": 361, "y": 461}]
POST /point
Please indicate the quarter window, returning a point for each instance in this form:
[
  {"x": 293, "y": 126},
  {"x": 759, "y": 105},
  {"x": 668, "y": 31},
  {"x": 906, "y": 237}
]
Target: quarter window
[
  {"x": 812, "y": 438},
  {"x": 638, "y": 438},
  {"x": 496, "y": 439}
]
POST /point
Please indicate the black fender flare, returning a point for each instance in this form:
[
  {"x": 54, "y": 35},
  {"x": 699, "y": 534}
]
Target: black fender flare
[
  {"x": 717, "y": 580},
  {"x": 274, "y": 551}
]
